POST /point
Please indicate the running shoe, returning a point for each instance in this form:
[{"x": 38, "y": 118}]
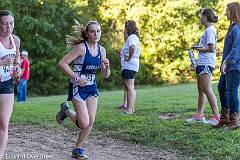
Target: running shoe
[
  {"x": 196, "y": 118},
  {"x": 213, "y": 121},
  {"x": 60, "y": 116},
  {"x": 79, "y": 153},
  {"x": 123, "y": 106}
]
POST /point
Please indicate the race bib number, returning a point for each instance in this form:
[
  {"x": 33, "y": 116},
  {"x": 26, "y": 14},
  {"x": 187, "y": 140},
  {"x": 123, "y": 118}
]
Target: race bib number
[
  {"x": 6, "y": 72},
  {"x": 89, "y": 77}
]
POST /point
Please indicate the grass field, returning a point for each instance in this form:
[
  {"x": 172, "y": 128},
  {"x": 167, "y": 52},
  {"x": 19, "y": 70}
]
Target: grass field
[{"x": 146, "y": 127}]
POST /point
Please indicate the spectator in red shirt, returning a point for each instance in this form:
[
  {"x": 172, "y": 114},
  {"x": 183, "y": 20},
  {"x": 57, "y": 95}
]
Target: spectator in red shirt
[{"x": 22, "y": 84}]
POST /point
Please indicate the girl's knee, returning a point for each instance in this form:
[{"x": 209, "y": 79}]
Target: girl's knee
[
  {"x": 130, "y": 88},
  {"x": 3, "y": 127},
  {"x": 86, "y": 125},
  {"x": 82, "y": 123},
  {"x": 206, "y": 88},
  {"x": 207, "y": 91},
  {"x": 200, "y": 90}
]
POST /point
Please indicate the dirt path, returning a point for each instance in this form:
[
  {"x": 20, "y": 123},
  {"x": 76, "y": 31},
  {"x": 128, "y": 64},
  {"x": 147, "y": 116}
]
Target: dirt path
[{"x": 32, "y": 142}]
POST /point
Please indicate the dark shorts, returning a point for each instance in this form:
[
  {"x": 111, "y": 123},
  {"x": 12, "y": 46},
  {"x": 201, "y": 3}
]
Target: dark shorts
[
  {"x": 7, "y": 87},
  {"x": 128, "y": 74},
  {"x": 204, "y": 70},
  {"x": 81, "y": 94}
]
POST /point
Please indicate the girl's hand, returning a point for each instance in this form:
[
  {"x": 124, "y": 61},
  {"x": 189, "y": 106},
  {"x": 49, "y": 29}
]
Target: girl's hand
[
  {"x": 223, "y": 67},
  {"x": 7, "y": 61},
  {"x": 82, "y": 82},
  {"x": 17, "y": 71},
  {"x": 105, "y": 63}
]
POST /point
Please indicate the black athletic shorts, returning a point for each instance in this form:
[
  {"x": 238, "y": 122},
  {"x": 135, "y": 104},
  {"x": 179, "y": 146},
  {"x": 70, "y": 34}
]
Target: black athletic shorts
[
  {"x": 128, "y": 74},
  {"x": 7, "y": 87}
]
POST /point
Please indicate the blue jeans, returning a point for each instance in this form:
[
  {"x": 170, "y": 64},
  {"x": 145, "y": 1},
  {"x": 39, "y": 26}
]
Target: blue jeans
[
  {"x": 22, "y": 90},
  {"x": 228, "y": 90}
]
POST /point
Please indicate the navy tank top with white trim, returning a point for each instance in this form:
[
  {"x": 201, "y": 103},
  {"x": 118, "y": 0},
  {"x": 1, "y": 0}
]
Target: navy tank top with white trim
[{"x": 86, "y": 67}]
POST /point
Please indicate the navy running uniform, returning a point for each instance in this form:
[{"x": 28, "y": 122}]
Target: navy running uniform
[{"x": 86, "y": 67}]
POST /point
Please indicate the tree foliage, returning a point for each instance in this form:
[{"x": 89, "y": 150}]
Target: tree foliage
[{"x": 168, "y": 28}]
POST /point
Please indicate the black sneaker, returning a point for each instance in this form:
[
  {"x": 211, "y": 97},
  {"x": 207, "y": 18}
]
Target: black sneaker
[{"x": 60, "y": 116}]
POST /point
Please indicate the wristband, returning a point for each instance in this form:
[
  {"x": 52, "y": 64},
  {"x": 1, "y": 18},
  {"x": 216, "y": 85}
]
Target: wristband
[{"x": 76, "y": 78}]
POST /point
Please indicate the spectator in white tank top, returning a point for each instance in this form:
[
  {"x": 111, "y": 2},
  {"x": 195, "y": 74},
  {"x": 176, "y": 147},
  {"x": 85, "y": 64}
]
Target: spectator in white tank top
[{"x": 9, "y": 65}]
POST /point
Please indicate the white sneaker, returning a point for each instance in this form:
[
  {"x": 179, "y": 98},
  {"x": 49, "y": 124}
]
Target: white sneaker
[
  {"x": 196, "y": 118},
  {"x": 213, "y": 121}
]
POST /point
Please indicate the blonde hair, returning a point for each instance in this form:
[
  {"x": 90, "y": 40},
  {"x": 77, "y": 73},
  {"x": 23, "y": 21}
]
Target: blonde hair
[{"x": 79, "y": 34}]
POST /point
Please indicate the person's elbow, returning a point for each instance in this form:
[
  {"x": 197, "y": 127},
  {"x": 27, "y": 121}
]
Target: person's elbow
[
  {"x": 60, "y": 64},
  {"x": 211, "y": 48},
  {"x": 132, "y": 48}
]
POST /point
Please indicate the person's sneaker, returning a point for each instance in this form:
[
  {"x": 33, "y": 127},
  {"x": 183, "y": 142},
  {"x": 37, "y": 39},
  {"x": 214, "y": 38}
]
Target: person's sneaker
[
  {"x": 60, "y": 116},
  {"x": 196, "y": 118},
  {"x": 213, "y": 120},
  {"x": 79, "y": 153},
  {"x": 123, "y": 106}
]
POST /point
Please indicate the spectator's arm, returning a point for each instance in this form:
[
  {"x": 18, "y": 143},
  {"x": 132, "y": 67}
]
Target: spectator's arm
[{"x": 234, "y": 55}]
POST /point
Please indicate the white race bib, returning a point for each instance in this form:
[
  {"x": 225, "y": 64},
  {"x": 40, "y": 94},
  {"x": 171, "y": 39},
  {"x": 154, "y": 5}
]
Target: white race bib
[
  {"x": 6, "y": 72},
  {"x": 89, "y": 77}
]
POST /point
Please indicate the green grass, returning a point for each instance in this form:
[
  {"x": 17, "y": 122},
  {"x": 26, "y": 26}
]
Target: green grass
[{"x": 197, "y": 140}]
